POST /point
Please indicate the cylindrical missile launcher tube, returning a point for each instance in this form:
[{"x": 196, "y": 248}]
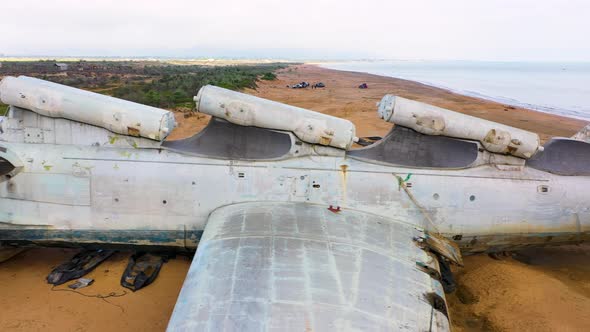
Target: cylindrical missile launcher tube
[
  {"x": 60, "y": 101},
  {"x": 247, "y": 110},
  {"x": 432, "y": 120}
]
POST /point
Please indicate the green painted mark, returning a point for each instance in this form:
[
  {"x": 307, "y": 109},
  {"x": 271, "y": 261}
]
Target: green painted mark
[
  {"x": 46, "y": 167},
  {"x": 401, "y": 181},
  {"x": 125, "y": 154},
  {"x": 113, "y": 139}
]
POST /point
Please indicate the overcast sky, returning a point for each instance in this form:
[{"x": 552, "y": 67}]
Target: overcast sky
[{"x": 391, "y": 29}]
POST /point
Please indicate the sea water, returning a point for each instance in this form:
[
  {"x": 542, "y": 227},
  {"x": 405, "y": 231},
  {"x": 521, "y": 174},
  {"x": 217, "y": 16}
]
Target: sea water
[{"x": 559, "y": 88}]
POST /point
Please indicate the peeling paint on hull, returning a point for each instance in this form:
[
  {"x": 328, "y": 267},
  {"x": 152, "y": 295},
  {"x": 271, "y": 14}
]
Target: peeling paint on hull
[
  {"x": 181, "y": 240},
  {"x": 142, "y": 238},
  {"x": 510, "y": 242}
]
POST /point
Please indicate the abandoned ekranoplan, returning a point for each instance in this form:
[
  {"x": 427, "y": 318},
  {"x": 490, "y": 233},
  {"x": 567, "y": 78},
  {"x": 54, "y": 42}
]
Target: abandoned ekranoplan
[{"x": 296, "y": 230}]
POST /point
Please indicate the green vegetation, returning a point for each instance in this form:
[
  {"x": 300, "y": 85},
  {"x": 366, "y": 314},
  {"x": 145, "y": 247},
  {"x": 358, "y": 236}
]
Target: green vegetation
[
  {"x": 176, "y": 85},
  {"x": 3, "y": 109},
  {"x": 153, "y": 83},
  {"x": 270, "y": 76}
]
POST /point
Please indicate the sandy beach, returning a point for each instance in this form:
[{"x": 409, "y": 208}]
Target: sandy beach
[{"x": 536, "y": 290}]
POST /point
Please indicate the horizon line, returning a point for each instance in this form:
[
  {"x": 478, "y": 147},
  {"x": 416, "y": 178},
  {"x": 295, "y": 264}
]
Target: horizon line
[{"x": 48, "y": 57}]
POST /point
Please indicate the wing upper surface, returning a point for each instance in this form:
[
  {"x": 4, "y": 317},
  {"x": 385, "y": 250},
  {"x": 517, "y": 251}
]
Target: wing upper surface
[{"x": 301, "y": 267}]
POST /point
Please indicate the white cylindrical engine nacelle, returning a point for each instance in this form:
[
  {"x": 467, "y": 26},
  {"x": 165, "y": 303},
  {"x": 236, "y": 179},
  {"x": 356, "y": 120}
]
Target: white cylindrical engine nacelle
[
  {"x": 247, "y": 110},
  {"x": 60, "y": 101},
  {"x": 432, "y": 120}
]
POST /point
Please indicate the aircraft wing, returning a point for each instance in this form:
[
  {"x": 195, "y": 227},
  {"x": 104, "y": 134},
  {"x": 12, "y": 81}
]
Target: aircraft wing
[{"x": 301, "y": 267}]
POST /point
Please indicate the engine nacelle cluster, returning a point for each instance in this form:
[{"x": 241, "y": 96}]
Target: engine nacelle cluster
[
  {"x": 247, "y": 110},
  {"x": 60, "y": 101},
  {"x": 431, "y": 120}
]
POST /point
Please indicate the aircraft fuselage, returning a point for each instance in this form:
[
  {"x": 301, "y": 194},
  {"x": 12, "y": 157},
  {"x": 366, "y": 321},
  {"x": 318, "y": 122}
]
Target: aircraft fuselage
[{"x": 157, "y": 197}]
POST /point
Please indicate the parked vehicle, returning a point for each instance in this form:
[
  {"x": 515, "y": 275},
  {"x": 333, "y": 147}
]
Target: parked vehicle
[{"x": 301, "y": 85}]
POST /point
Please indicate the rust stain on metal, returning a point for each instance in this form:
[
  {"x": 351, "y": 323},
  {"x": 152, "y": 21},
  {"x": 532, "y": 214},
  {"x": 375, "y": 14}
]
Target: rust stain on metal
[
  {"x": 344, "y": 180},
  {"x": 324, "y": 140},
  {"x": 511, "y": 242},
  {"x": 307, "y": 324},
  {"x": 133, "y": 131},
  {"x": 490, "y": 136},
  {"x": 497, "y": 137},
  {"x": 511, "y": 149},
  {"x": 444, "y": 247},
  {"x": 434, "y": 123},
  {"x": 344, "y": 168}
]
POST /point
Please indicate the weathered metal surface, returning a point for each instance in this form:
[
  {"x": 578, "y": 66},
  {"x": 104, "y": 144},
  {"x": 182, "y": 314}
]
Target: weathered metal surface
[
  {"x": 63, "y": 131},
  {"x": 60, "y": 101},
  {"x": 222, "y": 139},
  {"x": 300, "y": 267},
  {"x": 475, "y": 244},
  {"x": 406, "y": 147},
  {"x": 129, "y": 186},
  {"x": 247, "y": 110},
  {"x": 79, "y": 183},
  {"x": 49, "y": 188},
  {"x": 33, "y": 135},
  {"x": 432, "y": 120},
  {"x": 137, "y": 237},
  {"x": 564, "y": 157}
]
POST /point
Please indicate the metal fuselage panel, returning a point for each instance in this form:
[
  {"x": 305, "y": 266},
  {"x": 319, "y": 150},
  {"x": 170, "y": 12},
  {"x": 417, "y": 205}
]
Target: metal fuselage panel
[{"x": 155, "y": 197}]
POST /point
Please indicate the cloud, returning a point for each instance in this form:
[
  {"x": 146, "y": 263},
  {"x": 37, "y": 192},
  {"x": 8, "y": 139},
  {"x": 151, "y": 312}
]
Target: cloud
[{"x": 454, "y": 29}]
